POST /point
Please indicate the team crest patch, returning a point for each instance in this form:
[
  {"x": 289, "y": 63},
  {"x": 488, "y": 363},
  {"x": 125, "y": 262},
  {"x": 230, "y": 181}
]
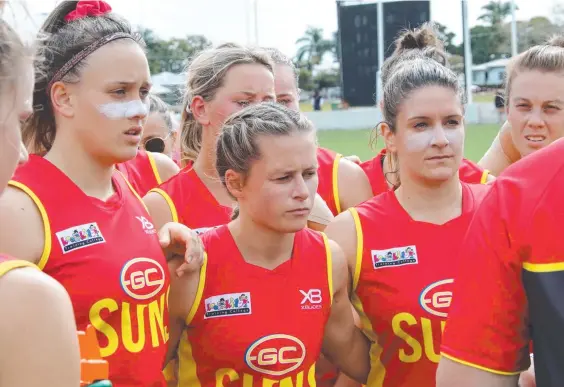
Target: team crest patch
[
  {"x": 228, "y": 305},
  {"x": 396, "y": 256},
  {"x": 78, "y": 237}
]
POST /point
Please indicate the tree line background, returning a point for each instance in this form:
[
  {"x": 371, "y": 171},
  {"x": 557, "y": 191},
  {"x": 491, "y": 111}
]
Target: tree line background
[{"x": 490, "y": 39}]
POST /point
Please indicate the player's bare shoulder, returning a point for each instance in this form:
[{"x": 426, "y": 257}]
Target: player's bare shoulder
[{"x": 22, "y": 229}]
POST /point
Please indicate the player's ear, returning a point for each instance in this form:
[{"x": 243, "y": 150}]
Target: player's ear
[
  {"x": 234, "y": 183},
  {"x": 389, "y": 137}
]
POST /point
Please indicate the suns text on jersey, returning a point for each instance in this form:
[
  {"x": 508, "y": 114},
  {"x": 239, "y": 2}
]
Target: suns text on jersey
[{"x": 142, "y": 321}]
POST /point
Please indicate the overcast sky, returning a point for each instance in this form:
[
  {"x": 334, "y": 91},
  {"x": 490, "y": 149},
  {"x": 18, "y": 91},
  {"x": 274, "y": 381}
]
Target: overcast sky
[{"x": 280, "y": 22}]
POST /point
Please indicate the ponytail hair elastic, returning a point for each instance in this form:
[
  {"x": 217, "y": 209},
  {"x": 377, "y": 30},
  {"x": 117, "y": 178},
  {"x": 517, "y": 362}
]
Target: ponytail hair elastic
[{"x": 86, "y": 8}]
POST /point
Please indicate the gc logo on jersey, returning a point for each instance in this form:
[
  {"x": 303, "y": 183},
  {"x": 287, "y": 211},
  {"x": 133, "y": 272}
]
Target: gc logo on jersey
[
  {"x": 275, "y": 355},
  {"x": 312, "y": 299},
  {"x": 142, "y": 278},
  {"x": 228, "y": 305},
  {"x": 436, "y": 297},
  {"x": 396, "y": 256}
]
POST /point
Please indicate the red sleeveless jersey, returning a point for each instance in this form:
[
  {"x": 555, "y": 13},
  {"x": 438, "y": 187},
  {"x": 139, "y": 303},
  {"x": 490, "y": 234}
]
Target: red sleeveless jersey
[
  {"x": 403, "y": 285},
  {"x": 8, "y": 263},
  {"x": 108, "y": 258},
  {"x": 375, "y": 172},
  {"x": 250, "y": 326},
  {"x": 328, "y": 173},
  {"x": 141, "y": 172},
  {"x": 469, "y": 172},
  {"x": 191, "y": 203}
]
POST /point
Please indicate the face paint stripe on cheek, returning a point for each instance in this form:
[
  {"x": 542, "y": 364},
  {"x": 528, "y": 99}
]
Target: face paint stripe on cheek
[
  {"x": 419, "y": 141},
  {"x": 455, "y": 137},
  {"x": 118, "y": 110}
]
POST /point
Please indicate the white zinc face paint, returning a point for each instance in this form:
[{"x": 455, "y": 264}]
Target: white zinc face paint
[
  {"x": 119, "y": 110},
  {"x": 419, "y": 141}
]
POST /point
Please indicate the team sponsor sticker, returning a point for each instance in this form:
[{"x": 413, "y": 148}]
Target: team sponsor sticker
[
  {"x": 396, "y": 256},
  {"x": 78, "y": 237},
  {"x": 228, "y": 305}
]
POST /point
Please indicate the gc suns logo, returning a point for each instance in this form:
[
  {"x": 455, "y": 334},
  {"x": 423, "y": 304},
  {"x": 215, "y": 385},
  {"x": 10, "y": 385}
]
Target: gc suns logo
[
  {"x": 436, "y": 297},
  {"x": 275, "y": 355},
  {"x": 142, "y": 278}
]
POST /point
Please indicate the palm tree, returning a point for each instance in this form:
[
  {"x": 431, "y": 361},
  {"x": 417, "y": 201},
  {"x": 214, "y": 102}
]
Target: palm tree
[
  {"x": 312, "y": 47},
  {"x": 495, "y": 12}
]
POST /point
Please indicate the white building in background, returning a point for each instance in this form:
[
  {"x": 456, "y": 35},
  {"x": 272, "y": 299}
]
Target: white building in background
[
  {"x": 169, "y": 87},
  {"x": 490, "y": 74}
]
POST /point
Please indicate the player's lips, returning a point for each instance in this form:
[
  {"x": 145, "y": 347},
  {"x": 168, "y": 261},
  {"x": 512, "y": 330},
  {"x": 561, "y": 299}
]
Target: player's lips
[
  {"x": 133, "y": 135},
  {"x": 535, "y": 137},
  {"x": 133, "y": 131},
  {"x": 440, "y": 157},
  {"x": 300, "y": 211}
]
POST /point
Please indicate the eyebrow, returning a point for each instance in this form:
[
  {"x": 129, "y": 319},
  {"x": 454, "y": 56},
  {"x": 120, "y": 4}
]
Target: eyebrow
[
  {"x": 558, "y": 101},
  {"x": 427, "y": 118},
  {"x": 284, "y": 95},
  {"x": 128, "y": 83}
]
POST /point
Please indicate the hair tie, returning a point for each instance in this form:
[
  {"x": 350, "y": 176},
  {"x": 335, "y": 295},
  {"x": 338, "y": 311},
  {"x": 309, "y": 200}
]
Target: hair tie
[{"x": 85, "y": 8}]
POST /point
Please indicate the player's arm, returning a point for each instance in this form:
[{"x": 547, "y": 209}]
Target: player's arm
[
  {"x": 180, "y": 242},
  {"x": 181, "y": 302},
  {"x": 320, "y": 215},
  {"x": 38, "y": 333},
  {"x": 485, "y": 342},
  {"x": 21, "y": 229},
  {"x": 353, "y": 159},
  {"x": 452, "y": 373},
  {"x": 165, "y": 166},
  {"x": 354, "y": 186},
  {"x": 342, "y": 230},
  {"x": 343, "y": 343},
  {"x": 502, "y": 152},
  {"x": 159, "y": 209}
]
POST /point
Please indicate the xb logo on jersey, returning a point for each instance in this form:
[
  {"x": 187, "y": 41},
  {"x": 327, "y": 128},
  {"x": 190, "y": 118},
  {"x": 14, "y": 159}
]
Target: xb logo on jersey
[
  {"x": 146, "y": 224},
  {"x": 311, "y": 299}
]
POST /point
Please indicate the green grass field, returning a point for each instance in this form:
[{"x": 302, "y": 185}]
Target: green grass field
[{"x": 355, "y": 142}]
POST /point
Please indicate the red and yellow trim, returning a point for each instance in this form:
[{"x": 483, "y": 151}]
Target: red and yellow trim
[
  {"x": 169, "y": 202},
  {"x": 47, "y": 245},
  {"x": 484, "y": 178},
  {"x": 12, "y": 264},
  {"x": 335, "y": 182},
  {"x": 543, "y": 267},
  {"x": 377, "y": 370},
  {"x": 359, "y": 247},
  {"x": 199, "y": 292},
  {"x": 490, "y": 370},
  {"x": 133, "y": 190},
  {"x": 187, "y": 366},
  {"x": 154, "y": 167},
  {"x": 329, "y": 256}
]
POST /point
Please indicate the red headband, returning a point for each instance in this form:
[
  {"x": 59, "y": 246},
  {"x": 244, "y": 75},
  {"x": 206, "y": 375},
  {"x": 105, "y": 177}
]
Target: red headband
[{"x": 86, "y": 8}]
